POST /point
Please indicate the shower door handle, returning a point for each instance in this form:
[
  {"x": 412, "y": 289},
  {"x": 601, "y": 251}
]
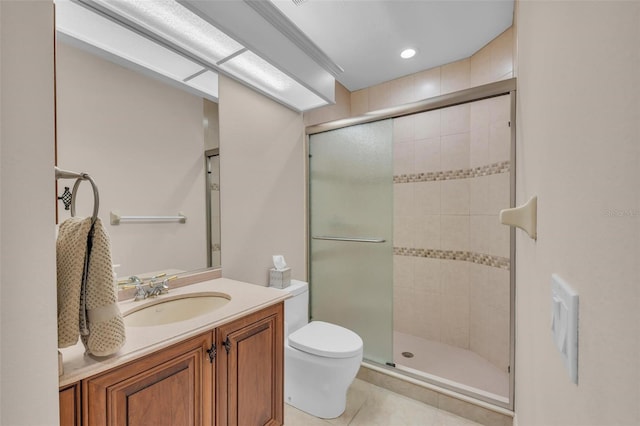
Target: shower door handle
[{"x": 356, "y": 240}]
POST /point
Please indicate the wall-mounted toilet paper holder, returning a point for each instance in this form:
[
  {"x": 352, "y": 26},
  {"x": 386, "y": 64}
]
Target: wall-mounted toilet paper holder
[{"x": 524, "y": 217}]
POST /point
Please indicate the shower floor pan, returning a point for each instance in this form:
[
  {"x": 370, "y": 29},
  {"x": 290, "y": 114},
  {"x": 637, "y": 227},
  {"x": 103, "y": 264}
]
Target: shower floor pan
[{"x": 458, "y": 366}]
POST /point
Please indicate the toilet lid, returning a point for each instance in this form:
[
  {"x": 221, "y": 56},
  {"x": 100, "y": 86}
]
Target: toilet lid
[{"x": 327, "y": 340}]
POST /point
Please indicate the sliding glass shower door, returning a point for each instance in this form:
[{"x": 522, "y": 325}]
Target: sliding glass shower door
[{"x": 351, "y": 226}]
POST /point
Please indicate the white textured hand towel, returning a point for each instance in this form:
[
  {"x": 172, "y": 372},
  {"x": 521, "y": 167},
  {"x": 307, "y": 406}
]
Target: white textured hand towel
[{"x": 106, "y": 332}]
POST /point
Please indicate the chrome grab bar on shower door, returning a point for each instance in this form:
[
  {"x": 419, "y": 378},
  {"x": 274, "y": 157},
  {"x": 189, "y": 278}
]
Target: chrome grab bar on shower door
[{"x": 357, "y": 240}]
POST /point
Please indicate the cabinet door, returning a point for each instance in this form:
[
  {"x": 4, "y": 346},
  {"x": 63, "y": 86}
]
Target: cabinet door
[
  {"x": 250, "y": 369},
  {"x": 70, "y": 405},
  {"x": 171, "y": 387}
]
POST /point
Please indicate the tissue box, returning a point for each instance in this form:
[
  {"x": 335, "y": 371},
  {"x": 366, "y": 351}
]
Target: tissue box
[{"x": 279, "y": 279}]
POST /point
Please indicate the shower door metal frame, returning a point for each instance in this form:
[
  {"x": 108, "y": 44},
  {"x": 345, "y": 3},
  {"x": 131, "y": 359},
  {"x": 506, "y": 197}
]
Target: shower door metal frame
[
  {"x": 491, "y": 90},
  {"x": 215, "y": 152}
]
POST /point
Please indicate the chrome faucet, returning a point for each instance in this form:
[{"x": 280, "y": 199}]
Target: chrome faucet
[
  {"x": 141, "y": 293},
  {"x": 158, "y": 288}
]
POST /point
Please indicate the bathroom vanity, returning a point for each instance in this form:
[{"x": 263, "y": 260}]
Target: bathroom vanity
[{"x": 224, "y": 367}]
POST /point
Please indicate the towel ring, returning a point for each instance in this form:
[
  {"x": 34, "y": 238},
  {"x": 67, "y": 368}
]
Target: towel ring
[{"x": 96, "y": 197}]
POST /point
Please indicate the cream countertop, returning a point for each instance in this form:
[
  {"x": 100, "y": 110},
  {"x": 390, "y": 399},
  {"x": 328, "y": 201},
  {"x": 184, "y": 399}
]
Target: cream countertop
[{"x": 245, "y": 299}]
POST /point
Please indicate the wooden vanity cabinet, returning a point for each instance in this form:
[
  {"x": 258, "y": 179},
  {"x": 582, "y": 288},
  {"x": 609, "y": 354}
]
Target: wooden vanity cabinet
[
  {"x": 182, "y": 386},
  {"x": 250, "y": 369},
  {"x": 70, "y": 404},
  {"x": 173, "y": 386}
]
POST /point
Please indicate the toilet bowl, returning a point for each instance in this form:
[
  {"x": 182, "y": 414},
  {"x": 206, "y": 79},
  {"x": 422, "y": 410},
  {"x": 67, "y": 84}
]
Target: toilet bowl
[{"x": 321, "y": 360}]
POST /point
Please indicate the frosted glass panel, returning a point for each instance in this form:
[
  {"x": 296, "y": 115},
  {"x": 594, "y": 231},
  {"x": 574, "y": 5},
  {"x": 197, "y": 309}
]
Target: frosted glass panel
[{"x": 351, "y": 198}]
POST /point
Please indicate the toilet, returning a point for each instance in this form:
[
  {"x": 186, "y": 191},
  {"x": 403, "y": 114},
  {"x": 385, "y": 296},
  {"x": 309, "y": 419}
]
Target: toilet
[{"x": 320, "y": 359}]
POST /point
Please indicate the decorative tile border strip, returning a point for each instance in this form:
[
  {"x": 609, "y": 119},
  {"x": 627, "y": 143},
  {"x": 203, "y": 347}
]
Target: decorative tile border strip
[
  {"x": 491, "y": 169},
  {"x": 466, "y": 256}
]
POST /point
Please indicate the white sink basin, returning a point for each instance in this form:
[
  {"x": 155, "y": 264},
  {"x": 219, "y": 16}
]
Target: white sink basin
[{"x": 179, "y": 308}]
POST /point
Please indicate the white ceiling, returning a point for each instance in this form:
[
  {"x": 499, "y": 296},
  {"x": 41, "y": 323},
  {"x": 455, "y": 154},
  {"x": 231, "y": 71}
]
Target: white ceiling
[{"x": 365, "y": 37}]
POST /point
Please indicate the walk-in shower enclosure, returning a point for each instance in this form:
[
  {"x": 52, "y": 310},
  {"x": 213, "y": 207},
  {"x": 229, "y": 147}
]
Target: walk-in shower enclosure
[{"x": 405, "y": 243}]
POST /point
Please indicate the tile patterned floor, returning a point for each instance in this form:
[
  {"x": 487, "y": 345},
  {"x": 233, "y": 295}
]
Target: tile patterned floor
[{"x": 370, "y": 405}]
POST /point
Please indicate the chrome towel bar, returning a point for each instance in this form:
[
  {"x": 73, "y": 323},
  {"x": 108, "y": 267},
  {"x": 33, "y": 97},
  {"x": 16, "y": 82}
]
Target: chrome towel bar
[
  {"x": 355, "y": 240},
  {"x": 116, "y": 219}
]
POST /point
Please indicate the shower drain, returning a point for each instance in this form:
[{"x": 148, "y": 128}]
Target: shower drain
[{"x": 407, "y": 354}]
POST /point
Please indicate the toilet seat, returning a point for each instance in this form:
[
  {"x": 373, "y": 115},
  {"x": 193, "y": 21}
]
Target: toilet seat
[{"x": 326, "y": 340}]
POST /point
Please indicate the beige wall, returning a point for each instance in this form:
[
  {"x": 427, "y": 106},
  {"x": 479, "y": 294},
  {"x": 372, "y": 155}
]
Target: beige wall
[
  {"x": 28, "y": 357},
  {"x": 142, "y": 141},
  {"x": 493, "y": 62},
  {"x": 578, "y": 151},
  {"x": 262, "y": 181}
]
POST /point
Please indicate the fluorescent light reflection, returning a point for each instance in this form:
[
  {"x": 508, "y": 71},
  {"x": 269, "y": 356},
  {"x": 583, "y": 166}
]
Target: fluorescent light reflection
[
  {"x": 81, "y": 24},
  {"x": 177, "y": 24},
  {"x": 256, "y": 71},
  {"x": 206, "y": 82},
  {"x": 179, "y": 27}
]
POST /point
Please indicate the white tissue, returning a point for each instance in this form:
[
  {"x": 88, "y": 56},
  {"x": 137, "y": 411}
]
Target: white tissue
[{"x": 278, "y": 262}]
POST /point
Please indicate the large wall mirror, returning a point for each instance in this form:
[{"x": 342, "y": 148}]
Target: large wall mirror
[{"x": 152, "y": 150}]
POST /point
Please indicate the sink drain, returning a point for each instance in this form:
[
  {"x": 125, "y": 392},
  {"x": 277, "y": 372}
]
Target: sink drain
[{"x": 407, "y": 354}]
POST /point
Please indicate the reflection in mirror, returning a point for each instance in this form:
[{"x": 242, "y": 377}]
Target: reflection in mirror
[
  {"x": 143, "y": 142},
  {"x": 213, "y": 205}
]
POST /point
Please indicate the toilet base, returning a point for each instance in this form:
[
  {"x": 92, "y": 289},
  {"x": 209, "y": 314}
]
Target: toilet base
[
  {"x": 318, "y": 385},
  {"x": 331, "y": 407}
]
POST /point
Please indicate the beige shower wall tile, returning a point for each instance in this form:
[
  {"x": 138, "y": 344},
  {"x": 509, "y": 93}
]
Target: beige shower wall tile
[
  {"x": 499, "y": 349},
  {"x": 427, "y": 274},
  {"x": 480, "y": 67},
  {"x": 427, "y": 198},
  {"x": 426, "y": 314},
  {"x": 455, "y": 232},
  {"x": 391, "y": 93},
  {"x": 499, "y": 289},
  {"x": 454, "y": 152},
  {"x": 479, "y": 196},
  {"x": 403, "y": 158},
  {"x": 404, "y": 231},
  {"x": 454, "y": 311},
  {"x": 359, "y": 102},
  {"x": 455, "y": 76},
  {"x": 403, "y": 309},
  {"x": 403, "y": 199},
  {"x": 427, "y": 155},
  {"x": 501, "y": 49},
  {"x": 427, "y": 124},
  {"x": 455, "y": 119},
  {"x": 403, "y": 129},
  {"x": 426, "y": 84},
  {"x": 499, "y": 192},
  {"x": 428, "y": 232},
  {"x": 499, "y": 237},
  {"x": 403, "y": 272},
  {"x": 480, "y": 334},
  {"x": 489, "y": 315},
  {"x": 499, "y": 142},
  {"x": 499, "y": 109},
  {"x": 454, "y": 196},
  {"x": 479, "y": 233},
  {"x": 479, "y": 146},
  {"x": 480, "y": 113}
]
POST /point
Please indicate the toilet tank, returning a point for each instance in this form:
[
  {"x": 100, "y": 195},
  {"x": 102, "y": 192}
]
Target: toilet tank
[{"x": 296, "y": 308}]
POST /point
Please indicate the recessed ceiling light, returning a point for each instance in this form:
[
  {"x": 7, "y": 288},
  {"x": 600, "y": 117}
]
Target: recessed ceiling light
[{"x": 407, "y": 53}]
